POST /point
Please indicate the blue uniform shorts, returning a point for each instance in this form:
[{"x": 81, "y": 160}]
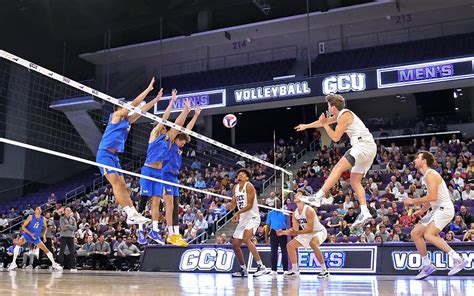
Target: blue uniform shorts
[
  {"x": 169, "y": 189},
  {"x": 151, "y": 188},
  {"x": 30, "y": 240},
  {"x": 108, "y": 158}
]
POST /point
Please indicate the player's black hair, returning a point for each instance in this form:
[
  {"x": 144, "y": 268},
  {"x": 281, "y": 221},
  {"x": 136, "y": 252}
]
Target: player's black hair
[{"x": 245, "y": 171}]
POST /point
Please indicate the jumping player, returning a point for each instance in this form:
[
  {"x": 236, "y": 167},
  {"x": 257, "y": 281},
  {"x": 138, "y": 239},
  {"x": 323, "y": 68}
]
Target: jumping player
[
  {"x": 440, "y": 215},
  {"x": 245, "y": 199},
  {"x": 34, "y": 229},
  {"x": 360, "y": 157},
  {"x": 171, "y": 168},
  {"x": 311, "y": 235},
  {"x": 113, "y": 143},
  {"x": 157, "y": 153}
]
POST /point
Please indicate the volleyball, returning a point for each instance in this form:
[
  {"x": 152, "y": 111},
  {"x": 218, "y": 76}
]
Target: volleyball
[{"x": 229, "y": 120}]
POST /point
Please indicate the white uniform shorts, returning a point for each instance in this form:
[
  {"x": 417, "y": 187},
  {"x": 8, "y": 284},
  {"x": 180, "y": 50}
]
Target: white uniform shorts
[
  {"x": 364, "y": 154},
  {"x": 245, "y": 224},
  {"x": 305, "y": 239},
  {"x": 441, "y": 217}
]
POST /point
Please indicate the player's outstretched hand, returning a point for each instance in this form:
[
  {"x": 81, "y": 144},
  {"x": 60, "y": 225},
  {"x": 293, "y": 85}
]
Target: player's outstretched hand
[
  {"x": 198, "y": 110},
  {"x": 187, "y": 104},
  {"x": 323, "y": 120},
  {"x": 159, "y": 94},
  {"x": 150, "y": 86},
  {"x": 174, "y": 94},
  {"x": 301, "y": 127}
]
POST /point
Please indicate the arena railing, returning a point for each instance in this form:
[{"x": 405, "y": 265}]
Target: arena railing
[
  {"x": 71, "y": 195},
  {"x": 273, "y": 178},
  {"x": 205, "y": 235}
]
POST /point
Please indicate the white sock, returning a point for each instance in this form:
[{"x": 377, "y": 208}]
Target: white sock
[
  {"x": 16, "y": 252},
  {"x": 128, "y": 210},
  {"x": 260, "y": 263},
  {"x": 323, "y": 265},
  {"x": 294, "y": 267},
  {"x": 426, "y": 261},
  {"x": 176, "y": 229},
  {"x": 243, "y": 267},
  {"x": 364, "y": 209},
  {"x": 50, "y": 257},
  {"x": 134, "y": 211},
  {"x": 170, "y": 230},
  {"x": 140, "y": 226},
  {"x": 320, "y": 193},
  {"x": 155, "y": 226},
  {"x": 453, "y": 254}
]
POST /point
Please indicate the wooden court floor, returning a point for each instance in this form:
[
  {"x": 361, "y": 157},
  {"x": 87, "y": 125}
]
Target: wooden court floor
[{"x": 43, "y": 282}]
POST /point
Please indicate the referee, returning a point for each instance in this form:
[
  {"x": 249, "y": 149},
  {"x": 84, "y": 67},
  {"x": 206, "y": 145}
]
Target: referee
[{"x": 276, "y": 220}]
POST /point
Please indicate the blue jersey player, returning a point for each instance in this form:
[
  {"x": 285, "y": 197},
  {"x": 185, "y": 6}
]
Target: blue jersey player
[
  {"x": 113, "y": 143},
  {"x": 170, "y": 170},
  {"x": 34, "y": 228},
  {"x": 157, "y": 153}
]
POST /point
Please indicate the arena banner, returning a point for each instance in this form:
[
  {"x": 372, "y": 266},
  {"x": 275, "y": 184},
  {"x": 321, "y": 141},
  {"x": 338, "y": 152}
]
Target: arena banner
[
  {"x": 403, "y": 259},
  {"x": 355, "y": 81},
  {"x": 339, "y": 259},
  {"x": 206, "y": 99},
  {"x": 438, "y": 71},
  {"x": 221, "y": 258}
]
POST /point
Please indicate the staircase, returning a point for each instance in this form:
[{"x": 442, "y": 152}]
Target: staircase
[{"x": 305, "y": 155}]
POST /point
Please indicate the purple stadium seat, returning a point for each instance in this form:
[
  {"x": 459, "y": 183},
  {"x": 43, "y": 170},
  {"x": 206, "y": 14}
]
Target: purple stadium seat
[
  {"x": 468, "y": 203},
  {"x": 353, "y": 238},
  {"x": 326, "y": 215}
]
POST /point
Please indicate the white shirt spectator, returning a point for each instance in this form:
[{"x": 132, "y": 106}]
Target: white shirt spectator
[
  {"x": 316, "y": 168},
  {"x": 458, "y": 180},
  {"x": 401, "y": 194},
  {"x": 3, "y": 221},
  {"x": 270, "y": 201},
  {"x": 454, "y": 195},
  {"x": 467, "y": 194},
  {"x": 200, "y": 224},
  {"x": 327, "y": 200},
  {"x": 84, "y": 232},
  {"x": 348, "y": 205},
  {"x": 241, "y": 163}
]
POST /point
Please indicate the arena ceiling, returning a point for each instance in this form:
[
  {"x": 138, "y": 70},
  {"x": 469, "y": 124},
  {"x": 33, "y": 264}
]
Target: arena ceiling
[{"x": 52, "y": 31}]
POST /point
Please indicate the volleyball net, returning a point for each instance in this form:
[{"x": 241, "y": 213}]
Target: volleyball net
[{"x": 60, "y": 118}]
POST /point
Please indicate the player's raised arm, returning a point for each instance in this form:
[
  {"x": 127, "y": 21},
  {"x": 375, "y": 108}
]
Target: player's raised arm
[
  {"x": 123, "y": 111},
  {"x": 191, "y": 124},
  {"x": 180, "y": 120},
  {"x": 157, "y": 129},
  {"x": 316, "y": 124},
  {"x": 341, "y": 126},
  {"x": 146, "y": 107}
]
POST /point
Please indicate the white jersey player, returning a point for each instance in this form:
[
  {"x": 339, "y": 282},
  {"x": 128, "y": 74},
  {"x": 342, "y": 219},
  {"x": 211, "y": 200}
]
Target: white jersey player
[
  {"x": 245, "y": 199},
  {"x": 311, "y": 235},
  {"x": 440, "y": 215},
  {"x": 359, "y": 158}
]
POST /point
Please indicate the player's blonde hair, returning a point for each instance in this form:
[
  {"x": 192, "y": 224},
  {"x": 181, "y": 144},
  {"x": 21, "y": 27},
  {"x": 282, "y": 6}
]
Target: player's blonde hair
[{"x": 337, "y": 101}]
